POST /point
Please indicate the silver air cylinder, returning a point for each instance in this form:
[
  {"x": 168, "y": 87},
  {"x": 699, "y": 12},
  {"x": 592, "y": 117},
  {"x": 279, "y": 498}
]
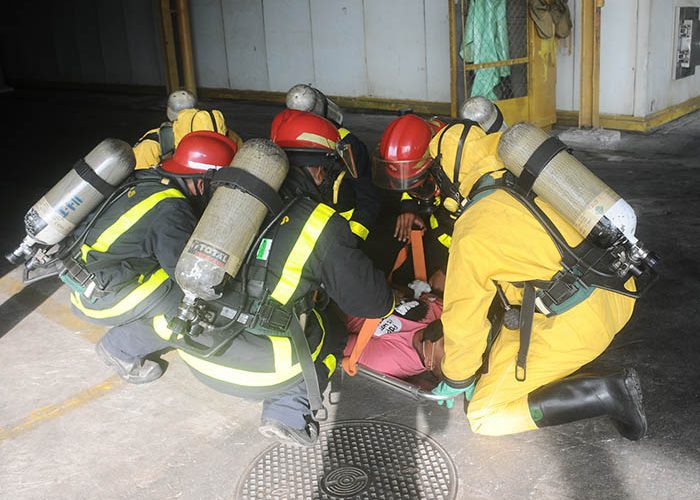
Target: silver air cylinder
[
  {"x": 78, "y": 193},
  {"x": 574, "y": 191},
  {"x": 229, "y": 224},
  {"x": 306, "y": 98},
  {"x": 484, "y": 112}
]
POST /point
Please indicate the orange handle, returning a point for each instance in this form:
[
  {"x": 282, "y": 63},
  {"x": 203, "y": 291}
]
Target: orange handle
[
  {"x": 419, "y": 270},
  {"x": 350, "y": 362}
]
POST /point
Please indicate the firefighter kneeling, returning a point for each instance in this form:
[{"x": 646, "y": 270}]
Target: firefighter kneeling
[
  {"x": 562, "y": 253},
  {"x": 252, "y": 320}
]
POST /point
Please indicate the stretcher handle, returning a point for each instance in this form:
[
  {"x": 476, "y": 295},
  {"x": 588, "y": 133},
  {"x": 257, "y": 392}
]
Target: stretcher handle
[
  {"x": 350, "y": 362},
  {"x": 400, "y": 385}
]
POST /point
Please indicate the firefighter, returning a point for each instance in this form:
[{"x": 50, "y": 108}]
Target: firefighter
[
  {"x": 500, "y": 252},
  {"x": 358, "y": 199},
  {"x": 304, "y": 257},
  {"x": 132, "y": 249},
  {"x": 401, "y": 163},
  {"x": 183, "y": 117}
]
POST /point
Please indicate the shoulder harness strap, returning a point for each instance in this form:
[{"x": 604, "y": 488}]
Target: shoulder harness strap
[{"x": 166, "y": 139}]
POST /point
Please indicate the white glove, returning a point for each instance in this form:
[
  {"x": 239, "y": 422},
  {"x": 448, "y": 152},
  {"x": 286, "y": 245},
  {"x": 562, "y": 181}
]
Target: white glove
[{"x": 419, "y": 288}]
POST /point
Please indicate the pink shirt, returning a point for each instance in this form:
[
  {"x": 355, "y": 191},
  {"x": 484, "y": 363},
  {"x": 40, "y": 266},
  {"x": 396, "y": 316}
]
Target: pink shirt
[{"x": 390, "y": 350}]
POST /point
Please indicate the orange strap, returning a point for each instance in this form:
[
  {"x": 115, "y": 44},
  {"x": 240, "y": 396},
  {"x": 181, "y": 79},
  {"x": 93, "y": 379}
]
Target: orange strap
[
  {"x": 419, "y": 270},
  {"x": 401, "y": 257},
  {"x": 418, "y": 254},
  {"x": 370, "y": 325},
  {"x": 366, "y": 332}
]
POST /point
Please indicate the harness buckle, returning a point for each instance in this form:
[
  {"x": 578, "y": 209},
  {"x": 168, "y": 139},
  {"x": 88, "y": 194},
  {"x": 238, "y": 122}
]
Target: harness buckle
[{"x": 274, "y": 317}]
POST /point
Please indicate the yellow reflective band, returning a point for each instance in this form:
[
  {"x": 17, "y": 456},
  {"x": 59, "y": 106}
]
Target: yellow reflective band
[
  {"x": 433, "y": 222},
  {"x": 127, "y": 220},
  {"x": 160, "y": 326},
  {"x": 445, "y": 239},
  {"x": 84, "y": 251},
  {"x": 406, "y": 197},
  {"x": 282, "y": 351},
  {"x": 331, "y": 364},
  {"x": 133, "y": 299},
  {"x": 348, "y": 214},
  {"x": 343, "y": 132},
  {"x": 316, "y": 139},
  {"x": 247, "y": 378},
  {"x": 336, "y": 186},
  {"x": 304, "y": 246},
  {"x": 393, "y": 307},
  {"x": 359, "y": 229}
]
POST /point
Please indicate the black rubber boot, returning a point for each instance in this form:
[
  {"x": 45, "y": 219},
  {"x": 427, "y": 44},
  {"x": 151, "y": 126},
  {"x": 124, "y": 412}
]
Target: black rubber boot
[
  {"x": 139, "y": 371},
  {"x": 577, "y": 398}
]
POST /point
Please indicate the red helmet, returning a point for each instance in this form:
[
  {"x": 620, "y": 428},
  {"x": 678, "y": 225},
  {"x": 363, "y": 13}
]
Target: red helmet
[
  {"x": 200, "y": 151},
  {"x": 402, "y": 158},
  {"x": 309, "y": 139}
]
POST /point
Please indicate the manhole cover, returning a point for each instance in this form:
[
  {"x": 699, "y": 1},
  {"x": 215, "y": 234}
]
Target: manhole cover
[{"x": 354, "y": 459}]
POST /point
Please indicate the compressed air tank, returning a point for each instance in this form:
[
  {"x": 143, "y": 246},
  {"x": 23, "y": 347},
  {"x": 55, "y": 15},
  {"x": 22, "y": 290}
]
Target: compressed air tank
[
  {"x": 306, "y": 98},
  {"x": 484, "y": 112},
  {"x": 78, "y": 193},
  {"x": 585, "y": 201},
  {"x": 230, "y": 223}
]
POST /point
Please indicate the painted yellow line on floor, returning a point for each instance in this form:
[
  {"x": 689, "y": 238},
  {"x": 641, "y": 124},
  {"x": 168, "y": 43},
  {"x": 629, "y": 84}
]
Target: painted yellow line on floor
[
  {"x": 50, "y": 412},
  {"x": 11, "y": 283},
  {"x": 57, "y": 309}
]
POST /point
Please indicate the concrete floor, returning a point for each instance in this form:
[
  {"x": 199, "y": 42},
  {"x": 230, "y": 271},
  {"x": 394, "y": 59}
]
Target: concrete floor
[{"x": 69, "y": 428}]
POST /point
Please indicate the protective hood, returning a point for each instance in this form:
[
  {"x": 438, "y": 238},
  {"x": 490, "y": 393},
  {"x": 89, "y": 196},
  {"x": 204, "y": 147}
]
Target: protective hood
[
  {"x": 479, "y": 154},
  {"x": 300, "y": 183}
]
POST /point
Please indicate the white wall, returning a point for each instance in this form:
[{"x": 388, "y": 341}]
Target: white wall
[
  {"x": 345, "y": 47},
  {"x": 663, "y": 90},
  {"x": 618, "y": 56},
  {"x": 636, "y": 60},
  {"x": 568, "y": 68}
]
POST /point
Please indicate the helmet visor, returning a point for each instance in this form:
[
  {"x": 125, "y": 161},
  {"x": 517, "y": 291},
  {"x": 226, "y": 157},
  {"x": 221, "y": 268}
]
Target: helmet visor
[
  {"x": 347, "y": 158},
  {"x": 399, "y": 175}
]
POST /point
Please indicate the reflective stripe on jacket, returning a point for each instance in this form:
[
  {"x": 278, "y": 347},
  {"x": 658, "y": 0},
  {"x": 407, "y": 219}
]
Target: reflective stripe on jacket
[
  {"x": 362, "y": 195},
  {"x": 132, "y": 249},
  {"x": 310, "y": 248}
]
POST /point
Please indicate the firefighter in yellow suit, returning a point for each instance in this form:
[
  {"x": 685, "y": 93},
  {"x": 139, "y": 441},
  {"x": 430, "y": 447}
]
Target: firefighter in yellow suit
[
  {"x": 184, "y": 117},
  {"x": 498, "y": 242}
]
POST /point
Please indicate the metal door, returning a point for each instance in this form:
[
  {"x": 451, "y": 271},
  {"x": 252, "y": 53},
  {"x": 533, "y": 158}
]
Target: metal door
[{"x": 496, "y": 52}]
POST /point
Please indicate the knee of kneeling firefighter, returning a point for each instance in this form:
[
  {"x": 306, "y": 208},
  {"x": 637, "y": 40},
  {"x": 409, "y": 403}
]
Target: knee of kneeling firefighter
[{"x": 499, "y": 420}]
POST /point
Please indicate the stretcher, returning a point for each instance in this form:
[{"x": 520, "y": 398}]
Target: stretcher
[{"x": 420, "y": 386}]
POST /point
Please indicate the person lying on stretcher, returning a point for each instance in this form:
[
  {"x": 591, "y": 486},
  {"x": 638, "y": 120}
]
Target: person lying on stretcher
[{"x": 405, "y": 343}]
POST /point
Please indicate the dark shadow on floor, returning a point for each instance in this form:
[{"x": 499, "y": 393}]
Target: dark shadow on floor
[{"x": 24, "y": 302}]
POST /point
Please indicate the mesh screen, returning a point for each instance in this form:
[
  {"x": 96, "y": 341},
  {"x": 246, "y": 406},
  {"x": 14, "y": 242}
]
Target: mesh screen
[{"x": 492, "y": 32}]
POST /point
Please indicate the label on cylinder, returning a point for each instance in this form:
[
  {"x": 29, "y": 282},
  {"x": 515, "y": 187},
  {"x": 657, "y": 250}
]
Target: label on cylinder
[
  {"x": 596, "y": 209},
  {"x": 209, "y": 253},
  {"x": 57, "y": 225}
]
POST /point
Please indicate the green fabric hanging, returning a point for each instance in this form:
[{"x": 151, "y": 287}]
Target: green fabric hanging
[{"x": 486, "y": 40}]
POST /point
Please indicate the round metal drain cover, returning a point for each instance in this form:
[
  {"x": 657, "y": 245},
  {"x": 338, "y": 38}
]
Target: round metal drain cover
[{"x": 355, "y": 459}]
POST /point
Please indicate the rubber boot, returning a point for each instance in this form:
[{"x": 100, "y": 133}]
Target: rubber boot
[
  {"x": 577, "y": 398},
  {"x": 137, "y": 371}
]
